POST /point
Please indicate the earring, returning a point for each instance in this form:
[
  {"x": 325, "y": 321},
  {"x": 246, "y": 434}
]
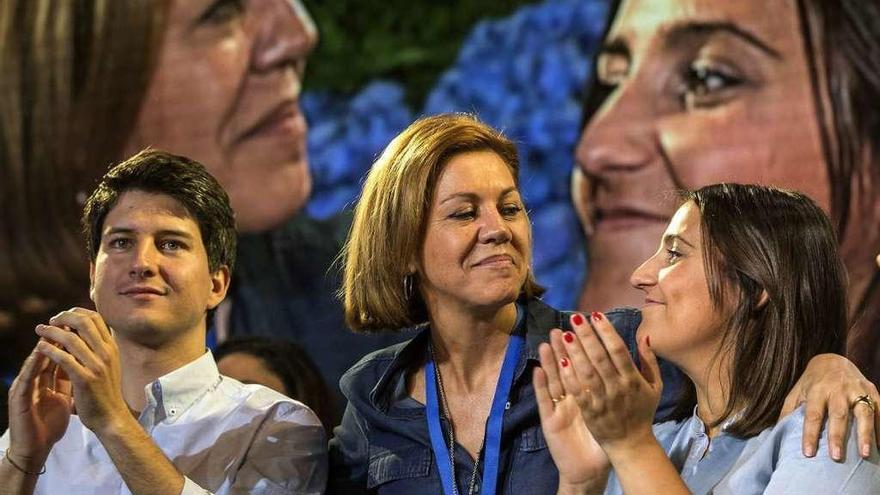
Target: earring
[{"x": 407, "y": 286}]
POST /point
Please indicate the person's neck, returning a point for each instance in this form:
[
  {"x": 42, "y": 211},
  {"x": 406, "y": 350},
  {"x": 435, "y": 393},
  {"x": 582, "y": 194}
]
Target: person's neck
[
  {"x": 143, "y": 363},
  {"x": 469, "y": 347},
  {"x": 712, "y": 386}
]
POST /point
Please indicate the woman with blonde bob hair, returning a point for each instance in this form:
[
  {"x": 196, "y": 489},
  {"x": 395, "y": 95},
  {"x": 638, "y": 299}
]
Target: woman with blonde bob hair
[
  {"x": 394, "y": 204},
  {"x": 441, "y": 243}
]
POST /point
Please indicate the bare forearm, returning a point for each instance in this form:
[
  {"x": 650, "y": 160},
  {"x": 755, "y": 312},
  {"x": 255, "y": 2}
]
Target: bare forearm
[
  {"x": 646, "y": 469},
  {"x": 143, "y": 467},
  {"x": 14, "y": 481},
  {"x": 596, "y": 487}
]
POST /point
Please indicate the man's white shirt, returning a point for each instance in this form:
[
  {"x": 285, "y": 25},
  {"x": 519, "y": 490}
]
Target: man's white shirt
[{"x": 225, "y": 437}]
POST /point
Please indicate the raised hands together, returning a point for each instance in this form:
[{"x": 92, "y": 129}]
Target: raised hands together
[{"x": 593, "y": 400}]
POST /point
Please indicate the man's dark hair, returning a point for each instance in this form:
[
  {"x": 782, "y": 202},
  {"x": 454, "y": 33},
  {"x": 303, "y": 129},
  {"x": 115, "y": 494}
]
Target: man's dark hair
[{"x": 186, "y": 181}]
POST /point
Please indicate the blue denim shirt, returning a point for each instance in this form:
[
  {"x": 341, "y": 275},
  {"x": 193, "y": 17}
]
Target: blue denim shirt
[{"x": 383, "y": 446}]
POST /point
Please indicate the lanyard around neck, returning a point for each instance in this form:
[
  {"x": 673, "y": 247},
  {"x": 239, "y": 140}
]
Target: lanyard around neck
[{"x": 493, "y": 427}]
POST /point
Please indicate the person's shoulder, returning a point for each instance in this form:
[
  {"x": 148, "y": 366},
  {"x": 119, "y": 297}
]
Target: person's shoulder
[
  {"x": 255, "y": 400},
  {"x": 366, "y": 373},
  {"x": 786, "y": 439},
  {"x": 625, "y": 319},
  {"x": 775, "y": 456}
]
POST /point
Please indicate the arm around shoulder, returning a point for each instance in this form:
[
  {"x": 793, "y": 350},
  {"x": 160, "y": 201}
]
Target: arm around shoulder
[{"x": 795, "y": 473}]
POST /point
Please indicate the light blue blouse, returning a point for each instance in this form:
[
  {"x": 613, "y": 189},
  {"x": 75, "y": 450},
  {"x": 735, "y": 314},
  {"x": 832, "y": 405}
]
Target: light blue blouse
[{"x": 770, "y": 463}]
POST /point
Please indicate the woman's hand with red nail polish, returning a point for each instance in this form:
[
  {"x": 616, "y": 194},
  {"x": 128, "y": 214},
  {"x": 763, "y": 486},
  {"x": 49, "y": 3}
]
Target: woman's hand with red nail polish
[
  {"x": 582, "y": 464},
  {"x": 623, "y": 399}
]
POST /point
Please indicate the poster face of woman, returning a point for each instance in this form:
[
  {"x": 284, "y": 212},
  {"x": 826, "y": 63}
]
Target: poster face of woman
[
  {"x": 699, "y": 92},
  {"x": 704, "y": 91}
]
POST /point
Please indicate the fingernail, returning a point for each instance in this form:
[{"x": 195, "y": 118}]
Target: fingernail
[
  {"x": 568, "y": 337},
  {"x": 809, "y": 451},
  {"x": 597, "y": 316},
  {"x": 866, "y": 450},
  {"x": 564, "y": 362},
  {"x": 577, "y": 319},
  {"x": 835, "y": 453}
]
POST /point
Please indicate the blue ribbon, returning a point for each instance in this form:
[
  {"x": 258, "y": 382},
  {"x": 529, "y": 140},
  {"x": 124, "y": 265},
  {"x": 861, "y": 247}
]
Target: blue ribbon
[{"x": 493, "y": 426}]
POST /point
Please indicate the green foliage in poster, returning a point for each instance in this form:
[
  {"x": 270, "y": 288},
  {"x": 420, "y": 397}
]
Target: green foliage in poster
[{"x": 410, "y": 41}]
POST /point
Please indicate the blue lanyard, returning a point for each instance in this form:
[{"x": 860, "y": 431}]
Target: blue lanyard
[{"x": 493, "y": 429}]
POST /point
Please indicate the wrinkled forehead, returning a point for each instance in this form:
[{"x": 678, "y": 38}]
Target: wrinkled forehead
[{"x": 645, "y": 24}]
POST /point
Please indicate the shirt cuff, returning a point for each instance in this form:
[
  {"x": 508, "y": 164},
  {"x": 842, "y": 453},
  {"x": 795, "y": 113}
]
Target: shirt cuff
[{"x": 191, "y": 488}]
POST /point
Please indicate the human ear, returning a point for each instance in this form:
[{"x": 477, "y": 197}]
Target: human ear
[
  {"x": 92, "y": 281},
  {"x": 220, "y": 279}
]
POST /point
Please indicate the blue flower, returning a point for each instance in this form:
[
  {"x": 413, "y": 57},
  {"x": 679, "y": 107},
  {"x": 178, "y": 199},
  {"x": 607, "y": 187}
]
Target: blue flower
[{"x": 345, "y": 136}]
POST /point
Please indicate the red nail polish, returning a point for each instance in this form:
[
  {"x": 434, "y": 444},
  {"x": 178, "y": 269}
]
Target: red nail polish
[
  {"x": 564, "y": 362},
  {"x": 597, "y": 316},
  {"x": 648, "y": 340},
  {"x": 577, "y": 319},
  {"x": 568, "y": 337}
]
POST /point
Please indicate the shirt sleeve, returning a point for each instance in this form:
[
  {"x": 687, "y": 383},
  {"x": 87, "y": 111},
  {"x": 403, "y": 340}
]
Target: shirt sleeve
[
  {"x": 288, "y": 455},
  {"x": 348, "y": 454}
]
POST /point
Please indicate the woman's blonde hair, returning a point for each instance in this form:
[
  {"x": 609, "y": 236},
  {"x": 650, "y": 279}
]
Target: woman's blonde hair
[{"x": 390, "y": 218}]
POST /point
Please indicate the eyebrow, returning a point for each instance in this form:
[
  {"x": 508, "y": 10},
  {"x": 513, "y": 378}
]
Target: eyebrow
[
  {"x": 162, "y": 233},
  {"x": 668, "y": 238},
  {"x": 705, "y": 29},
  {"x": 473, "y": 196}
]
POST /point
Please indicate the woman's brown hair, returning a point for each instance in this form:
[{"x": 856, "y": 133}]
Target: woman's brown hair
[
  {"x": 73, "y": 75},
  {"x": 390, "y": 217},
  {"x": 774, "y": 271}
]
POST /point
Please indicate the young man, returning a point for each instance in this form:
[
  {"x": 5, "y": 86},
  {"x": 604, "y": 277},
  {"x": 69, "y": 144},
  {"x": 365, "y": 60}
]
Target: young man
[{"x": 126, "y": 399}]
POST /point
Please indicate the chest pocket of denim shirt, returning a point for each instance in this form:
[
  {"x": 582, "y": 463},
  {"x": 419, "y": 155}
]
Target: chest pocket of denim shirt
[
  {"x": 402, "y": 469},
  {"x": 532, "y": 469}
]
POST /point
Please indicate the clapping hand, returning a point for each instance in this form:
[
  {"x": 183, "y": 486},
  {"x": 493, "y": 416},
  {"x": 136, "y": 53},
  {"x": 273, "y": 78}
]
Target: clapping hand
[{"x": 583, "y": 465}]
